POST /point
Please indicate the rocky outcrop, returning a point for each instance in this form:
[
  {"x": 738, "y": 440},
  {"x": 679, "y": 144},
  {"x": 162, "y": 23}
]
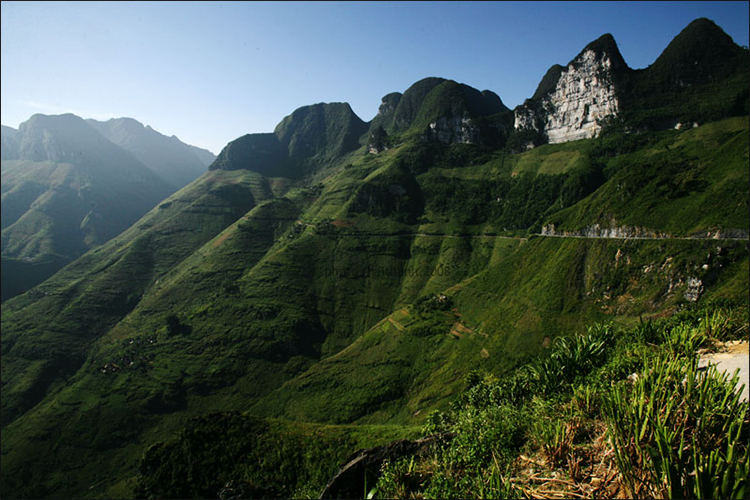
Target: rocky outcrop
[
  {"x": 616, "y": 231},
  {"x": 445, "y": 111},
  {"x": 388, "y": 103},
  {"x": 596, "y": 231},
  {"x": 694, "y": 289},
  {"x": 363, "y": 467},
  {"x": 581, "y": 100},
  {"x": 454, "y": 130},
  {"x": 724, "y": 234},
  {"x": 378, "y": 141}
]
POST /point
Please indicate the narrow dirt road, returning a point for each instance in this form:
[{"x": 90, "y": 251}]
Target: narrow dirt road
[{"x": 736, "y": 357}]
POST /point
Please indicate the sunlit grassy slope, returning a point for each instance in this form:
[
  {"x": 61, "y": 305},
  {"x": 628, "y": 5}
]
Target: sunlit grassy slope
[{"x": 363, "y": 297}]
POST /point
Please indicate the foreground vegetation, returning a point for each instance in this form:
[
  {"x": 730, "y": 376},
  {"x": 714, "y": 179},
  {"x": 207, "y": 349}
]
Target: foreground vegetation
[
  {"x": 605, "y": 413},
  {"x": 601, "y": 414}
]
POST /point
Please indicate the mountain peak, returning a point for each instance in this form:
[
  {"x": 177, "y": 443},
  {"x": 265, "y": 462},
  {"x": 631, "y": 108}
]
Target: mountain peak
[
  {"x": 604, "y": 46},
  {"x": 700, "y": 53},
  {"x": 320, "y": 130},
  {"x": 169, "y": 157},
  {"x": 59, "y": 138},
  {"x": 42, "y": 120},
  {"x": 572, "y": 102}
]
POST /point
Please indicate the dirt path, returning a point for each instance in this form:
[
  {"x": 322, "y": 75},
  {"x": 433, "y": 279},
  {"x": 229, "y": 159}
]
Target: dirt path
[{"x": 736, "y": 357}]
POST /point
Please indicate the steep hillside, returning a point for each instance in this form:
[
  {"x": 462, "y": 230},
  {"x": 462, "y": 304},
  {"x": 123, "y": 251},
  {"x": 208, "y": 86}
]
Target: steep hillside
[
  {"x": 69, "y": 185},
  {"x": 9, "y": 146},
  {"x": 699, "y": 77},
  {"x": 278, "y": 311},
  {"x": 575, "y": 102},
  {"x": 441, "y": 111},
  {"x": 316, "y": 291},
  {"x": 176, "y": 162},
  {"x": 69, "y": 190}
]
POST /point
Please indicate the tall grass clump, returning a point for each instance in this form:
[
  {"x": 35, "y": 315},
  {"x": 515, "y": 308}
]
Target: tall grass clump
[
  {"x": 679, "y": 433},
  {"x": 571, "y": 359}
]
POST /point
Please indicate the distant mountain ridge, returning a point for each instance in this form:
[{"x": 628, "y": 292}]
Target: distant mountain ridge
[
  {"x": 698, "y": 77},
  {"x": 66, "y": 187},
  {"x": 178, "y": 163}
]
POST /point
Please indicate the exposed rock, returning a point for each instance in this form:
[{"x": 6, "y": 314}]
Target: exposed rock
[
  {"x": 363, "y": 466},
  {"x": 596, "y": 231},
  {"x": 454, "y": 130},
  {"x": 582, "y": 99},
  {"x": 389, "y": 102},
  {"x": 378, "y": 141},
  {"x": 720, "y": 234},
  {"x": 694, "y": 289}
]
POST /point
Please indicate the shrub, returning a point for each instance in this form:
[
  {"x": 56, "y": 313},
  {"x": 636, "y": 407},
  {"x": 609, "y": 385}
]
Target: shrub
[{"x": 571, "y": 359}]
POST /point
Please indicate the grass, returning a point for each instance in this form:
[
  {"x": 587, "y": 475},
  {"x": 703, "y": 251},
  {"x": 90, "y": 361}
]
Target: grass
[
  {"x": 675, "y": 433},
  {"x": 661, "y": 187},
  {"x": 270, "y": 457},
  {"x": 312, "y": 302}
]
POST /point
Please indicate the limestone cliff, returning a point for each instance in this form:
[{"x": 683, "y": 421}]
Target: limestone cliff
[
  {"x": 583, "y": 96},
  {"x": 454, "y": 130},
  {"x": 597, "y": 231}
]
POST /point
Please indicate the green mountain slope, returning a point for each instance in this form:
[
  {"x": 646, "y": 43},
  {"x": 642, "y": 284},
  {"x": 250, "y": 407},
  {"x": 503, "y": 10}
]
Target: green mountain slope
[
  {"x": 300, "y": 295},
  {"x": 68, "y": 190},
  {"x": 699, "y": 77},
  {"x": 69, "y": 185},
  {"x": 667, "y": 187},
  {"x": 9, "y": 144},
  {"x": 49, "y": 331},
  {"x": 309, "y": 280},
  {"x": 176, "y": 162}
]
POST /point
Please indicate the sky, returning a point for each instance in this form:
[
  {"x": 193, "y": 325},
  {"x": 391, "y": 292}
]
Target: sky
[{"x": 209, "y": 72}]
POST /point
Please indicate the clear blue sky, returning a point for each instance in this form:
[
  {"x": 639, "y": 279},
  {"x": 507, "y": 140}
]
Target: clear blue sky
[{"x": 209, "y": 72}]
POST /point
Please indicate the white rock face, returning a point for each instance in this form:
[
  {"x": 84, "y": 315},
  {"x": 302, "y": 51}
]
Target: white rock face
[
  {"x": 597, "y": 231},
  {"x": 454, "y": 130},
  {"x": 694, "y": 289},
  {"x": 583, "y": 97}
]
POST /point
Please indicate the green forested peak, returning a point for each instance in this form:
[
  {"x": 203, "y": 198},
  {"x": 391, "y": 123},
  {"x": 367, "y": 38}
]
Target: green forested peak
[
  {"x": 700, "y": 53},
  {"x": 451, "y": 99},
  {"x": 323, "y": 129},
  {"x": 409, "y": 104}
]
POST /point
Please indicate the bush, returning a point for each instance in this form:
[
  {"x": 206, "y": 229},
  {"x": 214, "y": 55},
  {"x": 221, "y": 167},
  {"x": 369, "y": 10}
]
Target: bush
[{"x": 571, "y": 359}]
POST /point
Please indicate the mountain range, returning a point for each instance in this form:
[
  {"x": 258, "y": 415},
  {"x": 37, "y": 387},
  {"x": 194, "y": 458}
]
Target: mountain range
[
  {"x": 70, "y": 184},
  {"x": 328, "y": 286}
]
